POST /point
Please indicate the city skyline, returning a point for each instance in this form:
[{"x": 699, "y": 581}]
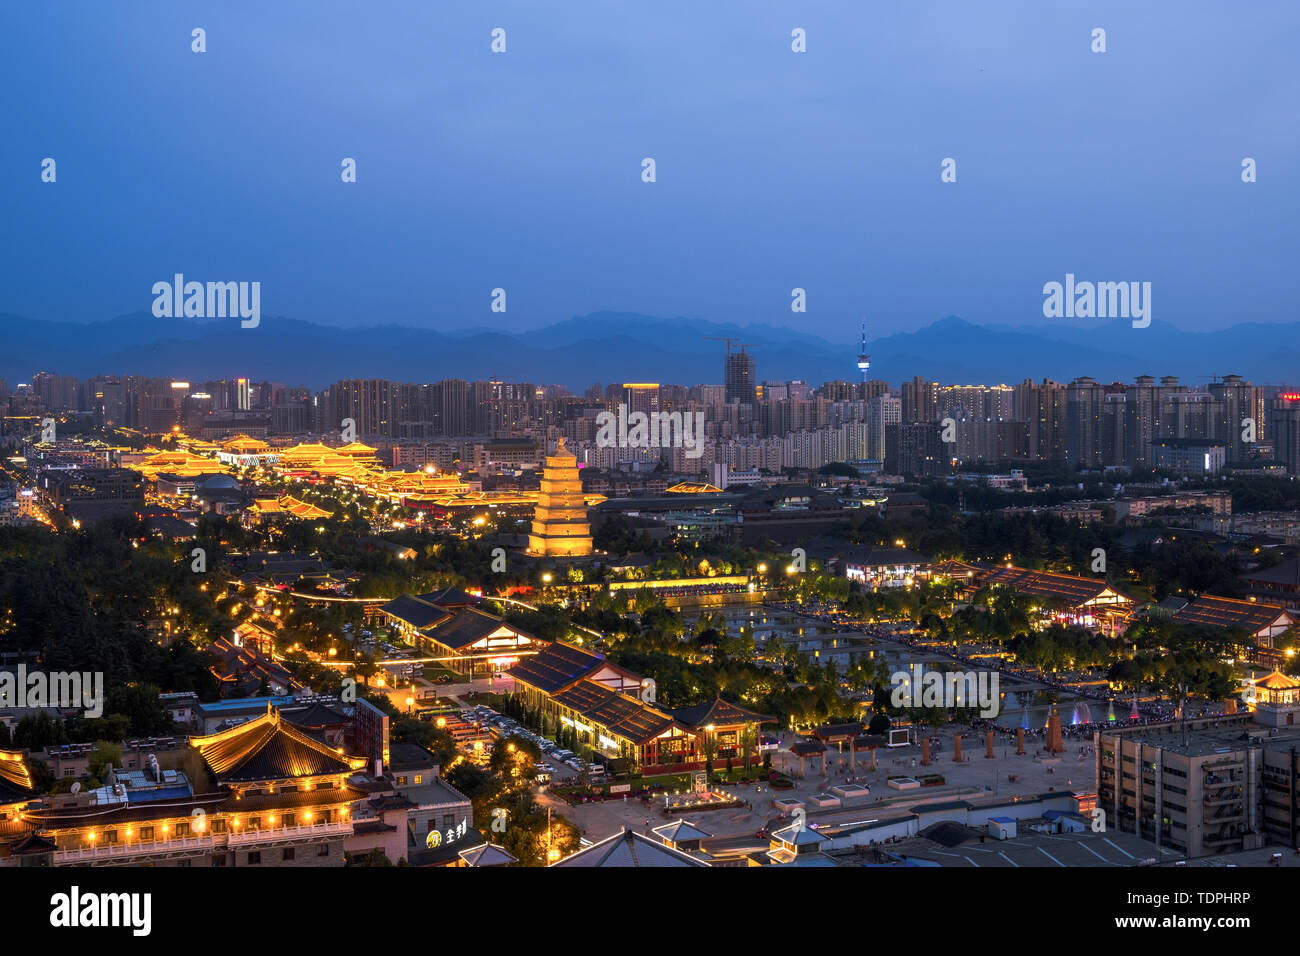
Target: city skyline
[{"x": 593, "y": 435}]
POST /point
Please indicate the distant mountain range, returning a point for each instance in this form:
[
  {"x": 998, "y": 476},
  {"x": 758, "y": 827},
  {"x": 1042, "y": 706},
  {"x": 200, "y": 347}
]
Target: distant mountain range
[{"x": 624, "y": 346}]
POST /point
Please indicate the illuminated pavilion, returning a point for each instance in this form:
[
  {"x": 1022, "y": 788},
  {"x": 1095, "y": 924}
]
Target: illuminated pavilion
[
  {"x": 1277, "y": 700},
  {"x": 285, "y": 506},
  {"x": 180, "y": 462},
  {"x": 354, "y": 461}
]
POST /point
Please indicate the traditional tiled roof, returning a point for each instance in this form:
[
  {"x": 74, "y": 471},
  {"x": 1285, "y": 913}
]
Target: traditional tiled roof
[
  {"x": 806, "y": 748},
  {"x": 1074, "y": 589},
  {"x": 719, "y": 713},
  {"x": 1277, "y": 681},
  {"x": 679, "y": 831},
  {"x": 269, "y": 748},
  {"x": 628, "y": 718},
  {"x": 284, "y": 799},
  {"x": 244, "y": 445},
  {"x": 64, "y": 818},
  {"x": 245, "y": 666},
  {"x": 1286, "y": 573},
  {"x": 470, "y": 626},
  {"x": 488, "y": 854},
  {"x": 33, "y": 844},
  {"x": 629, "y": 848},
  {"x": 693, "y": 488},
  {"x": 16, "y": 781},
  {"x": 555, "y": 666},
  {"x": 415, "y": 612},
  {"x": 315, "y": 715},
  {"x": 1250, "y": 616},
  {"x": 449, "y": 597},
  {"x": 288, "y": 505}
]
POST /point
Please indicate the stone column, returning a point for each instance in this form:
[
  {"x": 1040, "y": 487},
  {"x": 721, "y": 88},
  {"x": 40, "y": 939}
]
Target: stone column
[
  {"x": 956, "y": 749},
  {"x": 925, "y": 752},
  {"x": 988, "y": 745},
  {"x": 1020, "y": 741}
]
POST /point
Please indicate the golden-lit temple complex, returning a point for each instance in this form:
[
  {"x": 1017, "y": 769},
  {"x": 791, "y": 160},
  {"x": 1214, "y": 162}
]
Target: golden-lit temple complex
[
  {"x": 181, "y": 462},
  {"x": 560, "y": 525},
  {"x": 354, "y": 461},
  {"x": 286, "y": 506}
]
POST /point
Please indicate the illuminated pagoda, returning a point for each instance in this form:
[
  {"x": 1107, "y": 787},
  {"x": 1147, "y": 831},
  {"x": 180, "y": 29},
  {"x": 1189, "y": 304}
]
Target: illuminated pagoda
[{"x": 560, "y": 526}]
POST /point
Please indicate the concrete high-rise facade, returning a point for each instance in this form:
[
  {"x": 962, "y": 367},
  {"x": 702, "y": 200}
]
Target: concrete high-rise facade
[
  {"x": 1042, "y": 408},
  {"x": 739, "y": 377}
]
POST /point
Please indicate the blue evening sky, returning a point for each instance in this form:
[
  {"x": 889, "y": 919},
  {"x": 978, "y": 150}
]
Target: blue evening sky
[{"x": 775, "y": 169}]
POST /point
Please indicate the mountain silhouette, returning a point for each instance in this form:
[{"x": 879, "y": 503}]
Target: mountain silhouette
[{"x": 627, "y": 346}]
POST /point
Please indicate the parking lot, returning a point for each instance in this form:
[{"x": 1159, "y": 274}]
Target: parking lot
[{"x": 562, "y": 765}]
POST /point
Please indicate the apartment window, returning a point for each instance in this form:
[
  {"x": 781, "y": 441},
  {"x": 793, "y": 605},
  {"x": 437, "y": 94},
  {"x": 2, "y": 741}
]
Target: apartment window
[
  {"x": 323, "y": 850},
  {"x": 146, "y": 833},
  {"x": 448, "y": 821},
  {"x": 288, "y": 853},
  {"x": 110, "y": 836},
  {"x": 182, "y": 829},
  {"x": 254, "y": 823},
  {"x": 69, "y": 772},
  {"x": 219, "y": 860},
  {"x": 255, "y": 858},
  {"x": 419, "y": 779},
  {"x": 289, "y": 819},
  {"x": 401, "y": 781},
  {"x": 219, "y": 826}
]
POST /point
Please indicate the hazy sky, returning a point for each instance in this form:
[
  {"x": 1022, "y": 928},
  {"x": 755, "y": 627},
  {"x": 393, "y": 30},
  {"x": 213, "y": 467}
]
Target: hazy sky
[{"x": 775, "y": 169}]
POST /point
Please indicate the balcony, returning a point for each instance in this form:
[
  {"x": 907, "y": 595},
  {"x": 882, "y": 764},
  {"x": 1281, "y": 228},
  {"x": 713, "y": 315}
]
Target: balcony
[
  {"x": 294, "y": 834},
  {"x": 1221, "y": 781},
  {"x": 1230, "y": 815},
  {"x": 1220, "y": 799},
  {"x": 105, "y": 852}
]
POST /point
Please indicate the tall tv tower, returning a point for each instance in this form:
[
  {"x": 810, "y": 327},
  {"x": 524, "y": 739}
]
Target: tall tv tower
[{"x": 864, "y": 360}]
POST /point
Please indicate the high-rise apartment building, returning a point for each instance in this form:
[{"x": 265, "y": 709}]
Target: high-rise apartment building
[{"x": 739, "y": 377}]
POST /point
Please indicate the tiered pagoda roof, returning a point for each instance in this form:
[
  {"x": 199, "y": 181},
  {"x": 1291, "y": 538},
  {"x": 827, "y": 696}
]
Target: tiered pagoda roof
[{"x": 268, "y": 749}]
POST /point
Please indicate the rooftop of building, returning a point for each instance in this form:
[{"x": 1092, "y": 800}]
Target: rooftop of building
[{"x": 1203, "y": 741}]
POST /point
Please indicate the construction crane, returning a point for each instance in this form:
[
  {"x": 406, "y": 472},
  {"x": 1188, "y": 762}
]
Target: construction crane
[{"x": 729, "y": 339}]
